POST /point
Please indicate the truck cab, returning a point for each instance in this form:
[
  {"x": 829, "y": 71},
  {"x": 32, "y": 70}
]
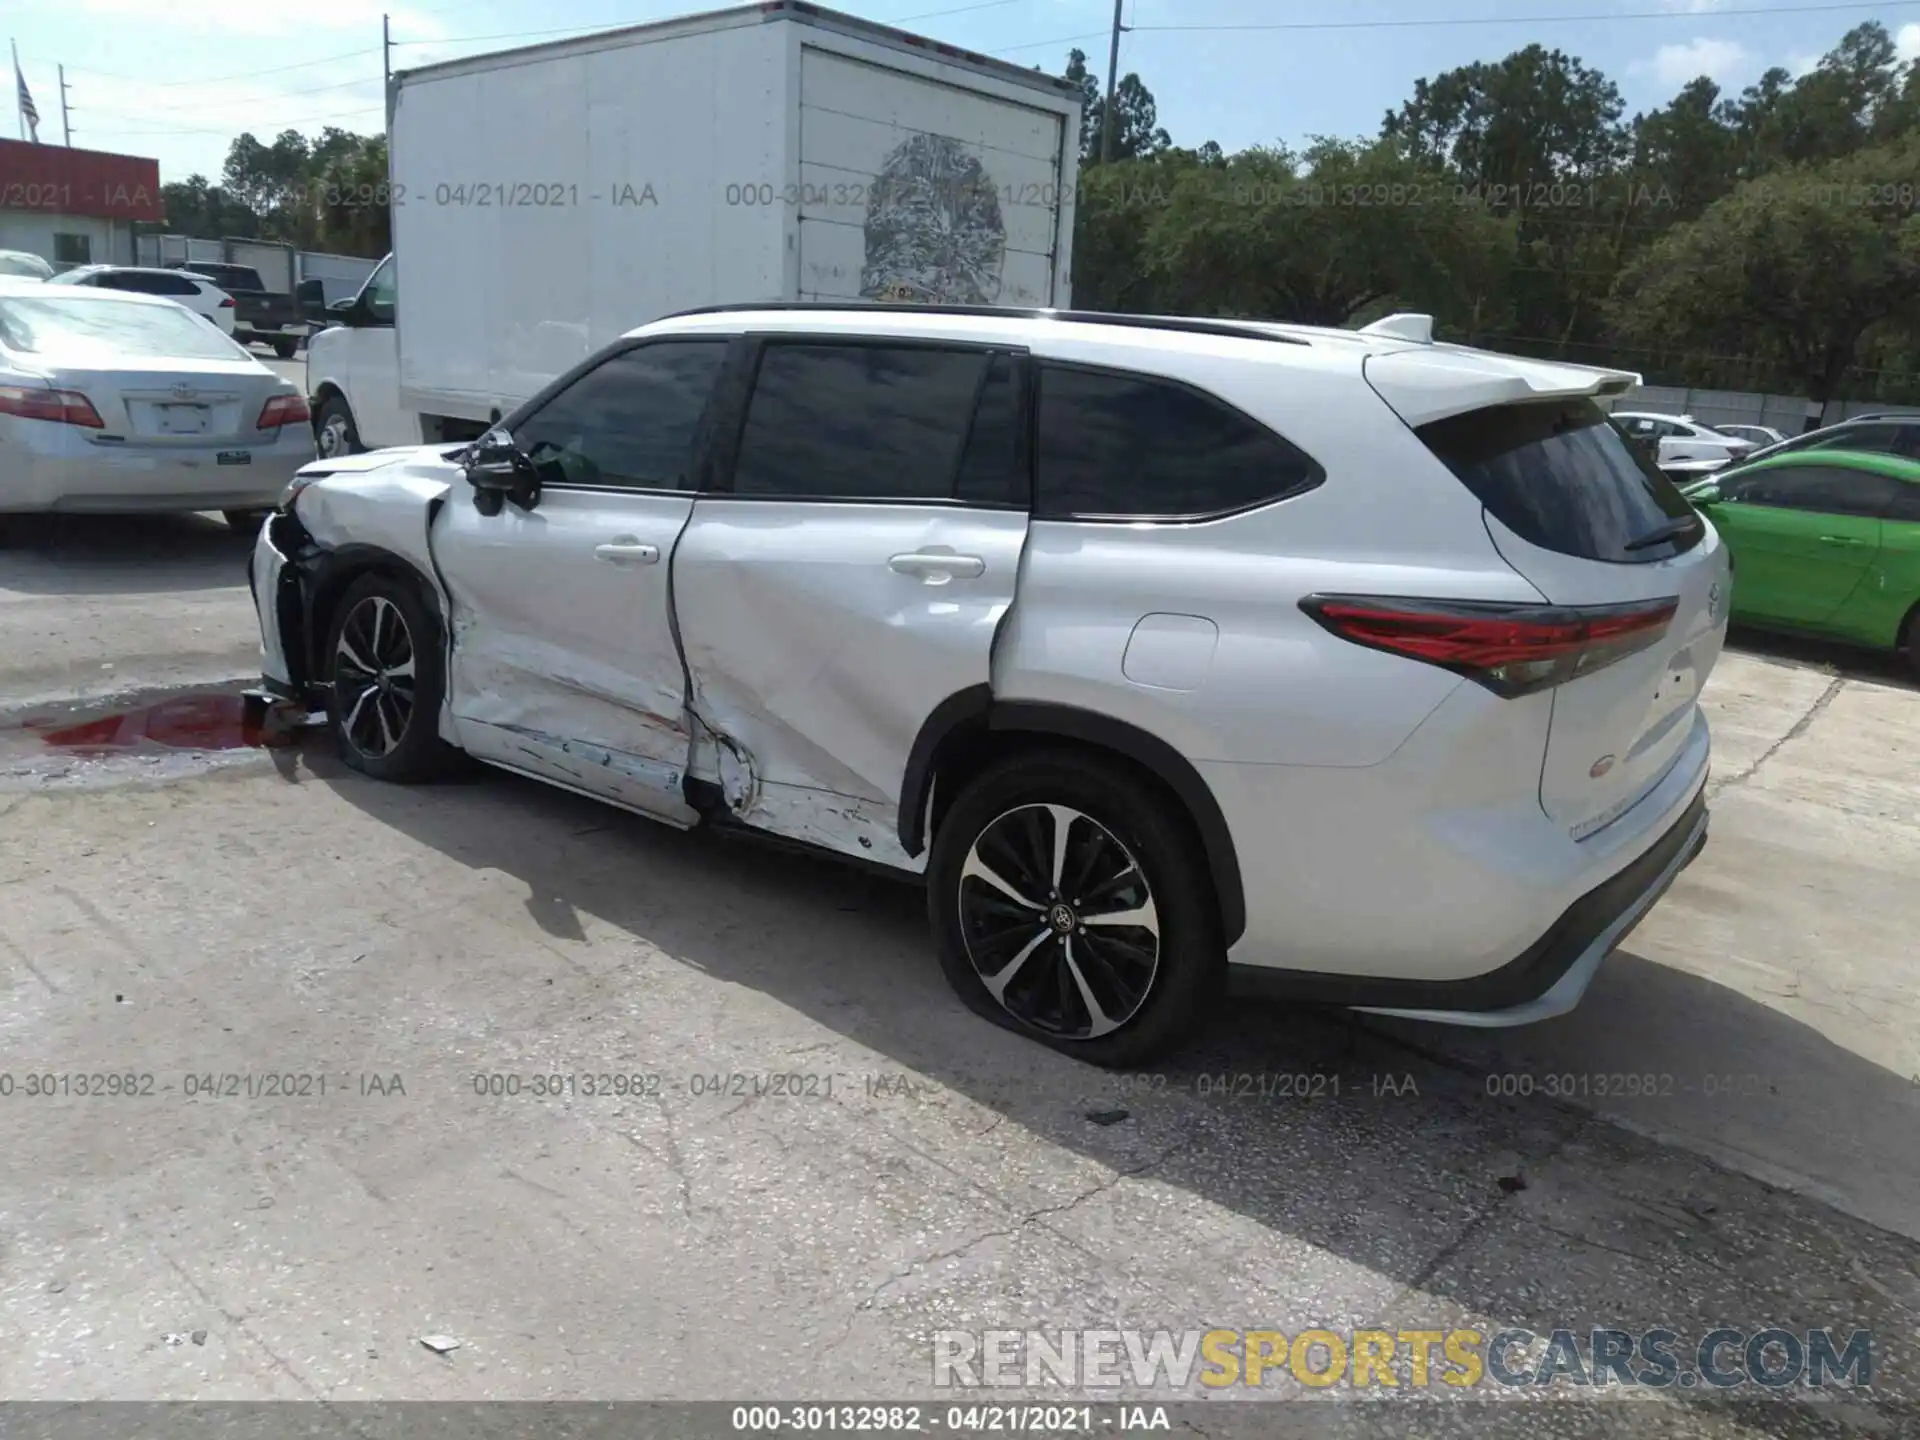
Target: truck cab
[{"x": 353, "y": 373}]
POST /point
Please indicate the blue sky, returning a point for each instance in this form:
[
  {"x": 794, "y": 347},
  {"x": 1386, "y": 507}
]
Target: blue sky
[{"x": 177, "y": 79}]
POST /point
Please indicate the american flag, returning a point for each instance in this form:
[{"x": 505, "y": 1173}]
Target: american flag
[{"x": 27, "y": 110}]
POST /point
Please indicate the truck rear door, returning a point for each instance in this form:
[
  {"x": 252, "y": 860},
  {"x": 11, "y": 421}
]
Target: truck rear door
[{"x": 915, "y": 190}]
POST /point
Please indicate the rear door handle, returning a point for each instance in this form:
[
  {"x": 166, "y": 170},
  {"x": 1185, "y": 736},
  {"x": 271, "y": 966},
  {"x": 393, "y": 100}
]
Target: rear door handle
[
  {"x": 938, "y": 565},
  {"x": 627, "y": 551},
  {"x": 1840, "y": 540}
]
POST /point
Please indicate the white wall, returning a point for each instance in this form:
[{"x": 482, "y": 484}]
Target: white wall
[{"x": 33, "y": 230}]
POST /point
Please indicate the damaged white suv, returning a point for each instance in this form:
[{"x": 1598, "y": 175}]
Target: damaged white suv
[{"x": 1345, "y": 665}]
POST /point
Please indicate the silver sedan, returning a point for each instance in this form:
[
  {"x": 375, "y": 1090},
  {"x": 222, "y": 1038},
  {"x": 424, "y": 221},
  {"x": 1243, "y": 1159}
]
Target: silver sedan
[{"x": 124, "y": 403}]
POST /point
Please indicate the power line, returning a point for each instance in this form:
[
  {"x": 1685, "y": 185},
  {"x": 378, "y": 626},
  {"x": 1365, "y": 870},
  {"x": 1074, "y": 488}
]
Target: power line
[
  {"x": 250, "y": 103},
  {"x": 1696, "y": 16},
  {"x": 321, "y": 120},
  {"x": 238, "y": 75},
  {"x": 590, "y": 29}
]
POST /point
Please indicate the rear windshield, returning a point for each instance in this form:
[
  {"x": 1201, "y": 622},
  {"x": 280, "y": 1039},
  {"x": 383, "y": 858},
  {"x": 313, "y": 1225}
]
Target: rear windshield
[
  {"x": 83, "y": 330},
  {"x": 1559, "y": 475}
]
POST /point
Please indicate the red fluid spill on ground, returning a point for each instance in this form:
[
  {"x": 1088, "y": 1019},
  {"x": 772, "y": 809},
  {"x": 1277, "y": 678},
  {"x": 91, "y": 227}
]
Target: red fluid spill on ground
[{"x": 198, "y": 722}]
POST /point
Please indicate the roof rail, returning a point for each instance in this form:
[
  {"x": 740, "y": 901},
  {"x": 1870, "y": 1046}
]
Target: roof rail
[{"x": 1197, "y": 325}]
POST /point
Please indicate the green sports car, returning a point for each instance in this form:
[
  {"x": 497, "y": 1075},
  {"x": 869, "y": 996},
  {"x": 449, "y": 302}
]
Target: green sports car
[{"x": 1823, "y": 542}]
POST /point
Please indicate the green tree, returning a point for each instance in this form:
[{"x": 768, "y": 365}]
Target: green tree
[
  {"x": 1319, "y": 237},
  {"x": 1802, "y": 270},
  {"x": 1137, "y": 131},
  {"x": 1538, "y": 116}
]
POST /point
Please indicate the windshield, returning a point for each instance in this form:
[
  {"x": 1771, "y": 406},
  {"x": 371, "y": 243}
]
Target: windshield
[{"x": 108, "y": 331}]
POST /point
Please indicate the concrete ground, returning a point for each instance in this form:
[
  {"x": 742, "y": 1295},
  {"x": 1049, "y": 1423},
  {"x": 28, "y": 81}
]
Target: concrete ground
[{"x": 275, "y": 914}]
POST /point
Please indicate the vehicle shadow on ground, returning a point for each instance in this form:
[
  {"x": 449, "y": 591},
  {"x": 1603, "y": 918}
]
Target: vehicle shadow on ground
[
  {"x": 1881, "y": 667},
  {"x": 1529, "y": 1211},
  {"x": 120, "y": 554}
]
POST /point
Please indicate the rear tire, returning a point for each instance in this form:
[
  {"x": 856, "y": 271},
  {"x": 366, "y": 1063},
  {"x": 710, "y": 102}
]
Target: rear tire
[
  {"x": 334, "y": 433},
  {"x": 385, "y": 681},
  {"x": 1910, "y": 633},
  {"x": 286, "y": 349},
  {"x": 1057, "y": 967}
]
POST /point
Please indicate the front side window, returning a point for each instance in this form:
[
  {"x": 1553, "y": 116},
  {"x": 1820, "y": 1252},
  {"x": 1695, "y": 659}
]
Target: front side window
[
  {"x": 383, "y": 292},
  {"x": 628, "y": 423},
  {"x": 1114, "y": 445},
  {"x": 858, "y": 422},
  {"x": 1819, "y": 489}
]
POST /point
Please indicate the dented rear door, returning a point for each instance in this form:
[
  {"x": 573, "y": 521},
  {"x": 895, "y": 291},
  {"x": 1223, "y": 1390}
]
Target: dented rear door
[
  {"x": 564, "y": 662},
  {"x": 850, "y": 574}
]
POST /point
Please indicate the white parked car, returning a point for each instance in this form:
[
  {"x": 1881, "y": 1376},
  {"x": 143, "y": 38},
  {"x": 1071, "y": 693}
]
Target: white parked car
[
  {"x": 24, "y": 264},
  {"x": 118, "y": 402},
  {"x": 195, "y": 292},
  {"x": 1754, "y": 435},
  {"x": 1681, "y": 441},
  {"x": 1347, "y": 666}
]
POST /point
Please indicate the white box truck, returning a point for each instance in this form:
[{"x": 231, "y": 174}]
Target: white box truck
[{"x": 548, "y": 199}]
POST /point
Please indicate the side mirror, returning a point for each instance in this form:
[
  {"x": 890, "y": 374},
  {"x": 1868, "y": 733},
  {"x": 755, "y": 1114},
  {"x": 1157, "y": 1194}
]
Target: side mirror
[
  {"x": 345, "y": 312},
  {"x": 498, "y": 471},
  {"x": 1706, "y": 494}
]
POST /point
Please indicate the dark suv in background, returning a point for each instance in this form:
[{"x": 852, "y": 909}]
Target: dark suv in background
[{"x": 1878, "y": 433}]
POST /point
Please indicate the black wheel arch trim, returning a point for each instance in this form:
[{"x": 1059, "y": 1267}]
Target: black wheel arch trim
[
  {"x": 314, "y": 572},
  {"x": 975, "y": 709}
]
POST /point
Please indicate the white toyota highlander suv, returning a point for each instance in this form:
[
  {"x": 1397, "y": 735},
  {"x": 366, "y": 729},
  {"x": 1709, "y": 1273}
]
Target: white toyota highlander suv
[{"x": 1345, "y": 666}]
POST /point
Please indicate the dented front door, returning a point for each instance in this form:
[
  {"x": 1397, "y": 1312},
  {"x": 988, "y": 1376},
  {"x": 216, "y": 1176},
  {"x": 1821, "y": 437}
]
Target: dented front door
[{"x": 564, "y": 662}]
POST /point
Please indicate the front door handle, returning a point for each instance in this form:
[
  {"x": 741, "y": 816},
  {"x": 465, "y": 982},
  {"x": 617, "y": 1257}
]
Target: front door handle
[
  {"x": 1840, "y": 540},
  {"x": 938, "y": 566},
  {"x": 627, "y": 551}
]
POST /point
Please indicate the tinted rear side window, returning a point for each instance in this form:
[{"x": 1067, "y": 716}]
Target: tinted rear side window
[
  {"x": 1117, "y": 446},
  {"x": 1558, "y": 475},
  {"x": 858, "y": 422}
]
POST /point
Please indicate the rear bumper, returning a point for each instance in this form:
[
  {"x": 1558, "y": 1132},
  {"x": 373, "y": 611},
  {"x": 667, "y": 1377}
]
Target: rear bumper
[
  {"x": 1553, "y": 975},
  {"x": 58, "y": 468},
  {"x": 1547, "y": 979}
]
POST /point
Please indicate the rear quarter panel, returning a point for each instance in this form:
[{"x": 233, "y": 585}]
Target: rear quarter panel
[{"x": 1257, "y": 681}]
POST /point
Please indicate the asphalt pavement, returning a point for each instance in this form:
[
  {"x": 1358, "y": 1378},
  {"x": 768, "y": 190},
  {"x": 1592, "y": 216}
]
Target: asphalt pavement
[{"x": 819, "y": 1160}]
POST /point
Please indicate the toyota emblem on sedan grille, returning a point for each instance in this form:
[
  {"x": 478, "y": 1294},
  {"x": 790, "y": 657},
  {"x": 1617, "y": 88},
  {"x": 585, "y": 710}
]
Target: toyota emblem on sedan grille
[{"x": 184, "y": 392}]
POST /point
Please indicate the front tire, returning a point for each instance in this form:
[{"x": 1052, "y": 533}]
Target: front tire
[
  {"x": 385, "y": 681},
  {"x": 1069, "y": 903},
  {"x": 334, "y": 433}
]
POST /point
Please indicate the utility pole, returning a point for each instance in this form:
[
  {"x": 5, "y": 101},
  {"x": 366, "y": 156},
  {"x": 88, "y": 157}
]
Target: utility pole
[
  {"x": 386, "y": 50},
  {"x": 66, "y": 128},
  {"x": 1113, "y": 64}
]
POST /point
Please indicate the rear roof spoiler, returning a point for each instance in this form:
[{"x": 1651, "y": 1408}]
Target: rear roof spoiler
[{"x": 1436, "y": 381}]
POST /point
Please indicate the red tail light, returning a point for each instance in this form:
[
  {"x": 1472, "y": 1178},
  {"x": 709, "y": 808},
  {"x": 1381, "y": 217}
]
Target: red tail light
[
  {"x": 1510, "y": 649},
  {"x": 284, "y": 410},
  {"x": 63, "y": 407},
  {"x": 227, "y": 304}
]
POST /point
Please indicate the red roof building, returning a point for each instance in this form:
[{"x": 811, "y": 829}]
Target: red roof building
[{"x": 74, "y": 207}]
